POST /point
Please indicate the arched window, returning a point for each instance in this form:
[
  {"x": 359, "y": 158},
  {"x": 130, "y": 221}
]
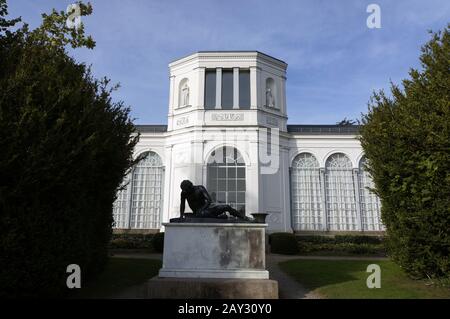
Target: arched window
[
  {"x": 370, "y": 203},
  {"x": 184, "y": 93},
  {"x": 306, "y": 193},
  {"x": 271, "y": 94},
  {"x": 139, "y": 204},
  {"x": 226, "y": 177},
  {"x": 340, "y": 193}
]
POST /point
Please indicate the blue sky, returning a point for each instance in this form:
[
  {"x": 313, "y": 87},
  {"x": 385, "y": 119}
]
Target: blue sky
[{"x": 334, "y": 60}]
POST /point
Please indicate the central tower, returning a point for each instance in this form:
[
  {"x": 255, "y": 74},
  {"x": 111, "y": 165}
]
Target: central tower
[
  {"x": 227, "y": 88},
  {"x": 224, "y": 106}
]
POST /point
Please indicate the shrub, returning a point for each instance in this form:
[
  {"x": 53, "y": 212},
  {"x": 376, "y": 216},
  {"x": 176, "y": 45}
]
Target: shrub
[
  {"x": 406, "y": 138},
  {"x": 357, "y": 239},
  {"x": 342, "y": 244},
  {"x": 283, "y": 243},
  {"x": 131, "y": 241},
  {"x": 158, "y": 242},
  {"x": 65, "y": 147},
  {"x": 315, "y": 239}
]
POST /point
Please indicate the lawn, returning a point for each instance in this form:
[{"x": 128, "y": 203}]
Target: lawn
[
  {"x": 120, "y": 274},
  {"x": 347, "y": 279}
]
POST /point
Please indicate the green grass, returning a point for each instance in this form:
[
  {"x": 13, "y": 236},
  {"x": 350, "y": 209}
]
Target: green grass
[
  {"x": 347, "y": 279},
  {"x": 120, "y": 273}
]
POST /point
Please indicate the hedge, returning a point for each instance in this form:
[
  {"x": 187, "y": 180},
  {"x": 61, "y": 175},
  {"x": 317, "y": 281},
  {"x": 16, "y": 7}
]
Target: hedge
[
  {"x": 131, "y": 241},
  {"x": 283, "y": 243},
  {"x": 158, "y": 242},
  {"x": 406, "y": 138},
  {"x": 65, "y": 147}
]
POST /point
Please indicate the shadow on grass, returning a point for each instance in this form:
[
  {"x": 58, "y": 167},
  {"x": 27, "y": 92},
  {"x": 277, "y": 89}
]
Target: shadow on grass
[{"x": 120, "y": 274}]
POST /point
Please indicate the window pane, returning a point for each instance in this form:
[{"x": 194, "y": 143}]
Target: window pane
[
  {"x": 241, "y": 185},
  {"x": 221, "y": 197},
  {"x": 227, "y": 89},
  {"x": 222, "y": 172},
  {"x": 231, "y": 198},
  {"x": 231, "y": 184},
  {"x": 241, "y": 197},
  {"x": 222, "y": 185},
  {"x": 210, "y": 89},
  {"x": 226, "y": 186},
  {"x": 143, "y": 195},
  {"x": 231, "y": 172},
  {"x": 244, "y": 89}
]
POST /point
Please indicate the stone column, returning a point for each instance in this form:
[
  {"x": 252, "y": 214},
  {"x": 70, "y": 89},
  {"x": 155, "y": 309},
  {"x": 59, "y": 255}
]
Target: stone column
[
  {"x": 324, "y": 202},
  {"x": 171, "y": 94},
  {"x": 282, "y": 96},
  {"x": 167, "y": 184},
  {"x": 201, "y": 88},
  {"x": 235, "y": 88},
  {"x": 218, "y": 88},
  {"x": 357, "y": 200},
  {"x": 254, "y": 86}
]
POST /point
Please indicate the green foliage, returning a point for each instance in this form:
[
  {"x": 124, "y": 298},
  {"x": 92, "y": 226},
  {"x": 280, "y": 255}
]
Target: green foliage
[
  {"x": 357, "y": 239},
  {"x": 341, "y": 245},
  {"x": 347, "y": 279},
  {"x": 158, "y": 242},
  {"x": 131, "y": 241},
  {"x": 406, "y": 138},
  {"x": 65, "y": 147},
  {"x": 283, "y": 243}
]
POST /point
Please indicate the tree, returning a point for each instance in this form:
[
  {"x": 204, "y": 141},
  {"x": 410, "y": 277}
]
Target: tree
[
  {"x": 346, "y": 122},
  {"x": 65, "y": 148},
  {"x": 406, "y": 138}
]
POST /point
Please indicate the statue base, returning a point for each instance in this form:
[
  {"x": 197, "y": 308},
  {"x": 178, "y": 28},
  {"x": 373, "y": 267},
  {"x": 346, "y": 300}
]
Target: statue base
[
  {"x": 214, "y": 250},
  {"x": 210, "y": 288}
]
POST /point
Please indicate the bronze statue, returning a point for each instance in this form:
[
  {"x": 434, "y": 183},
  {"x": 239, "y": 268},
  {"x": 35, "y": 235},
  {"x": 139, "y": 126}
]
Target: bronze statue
[{"x": 201, "y": 204}]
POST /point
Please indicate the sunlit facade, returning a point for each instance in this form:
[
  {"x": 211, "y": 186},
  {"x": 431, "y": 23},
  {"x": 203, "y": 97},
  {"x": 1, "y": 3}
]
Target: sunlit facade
[{"x": 227, "y": 130}]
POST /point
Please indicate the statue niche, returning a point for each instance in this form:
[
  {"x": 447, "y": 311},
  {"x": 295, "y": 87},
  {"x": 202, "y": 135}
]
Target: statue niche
[
  {"x": 270, "y": 92},
  {"x": 184, "y": 93}
]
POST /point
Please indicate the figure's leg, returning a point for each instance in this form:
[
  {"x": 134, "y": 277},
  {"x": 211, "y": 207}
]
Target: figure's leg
[
  {"x": 215, "y": 211},
  {"x": 236, "y": 213}
]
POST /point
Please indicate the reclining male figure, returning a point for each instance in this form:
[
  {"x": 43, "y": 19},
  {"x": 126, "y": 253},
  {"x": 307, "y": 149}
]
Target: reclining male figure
[{"x": 201, "y": 204}]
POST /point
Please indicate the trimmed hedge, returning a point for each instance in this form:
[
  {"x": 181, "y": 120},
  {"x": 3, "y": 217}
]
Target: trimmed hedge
[
  {"x": 65, "y": 147},
  {"x": 158, "y": 242},
  {"x": 353, "y": 239},
  {"x": 406, "y": 138},
  {"x": 342, "y": 244},
  {"x": 342, "y": 248},
  {"x": 131, "y": 241},
  {"x": 283, "y": 243}
]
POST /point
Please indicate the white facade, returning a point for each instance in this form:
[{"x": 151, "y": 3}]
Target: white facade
[{"x": 222, "y": 108}]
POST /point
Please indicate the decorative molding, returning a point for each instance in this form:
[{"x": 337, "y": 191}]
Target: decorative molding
[
  {"x": 272, "y": 121},
  {"x": 182, "y": 120},
  {"x": 227, "y": 117}
]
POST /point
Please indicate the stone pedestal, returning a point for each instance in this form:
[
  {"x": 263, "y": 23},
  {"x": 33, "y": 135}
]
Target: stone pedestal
[
  {"x": 211, "y": 288},
  {"x": 214, "y": 250},
  {"x": 213, "y": 260}
]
